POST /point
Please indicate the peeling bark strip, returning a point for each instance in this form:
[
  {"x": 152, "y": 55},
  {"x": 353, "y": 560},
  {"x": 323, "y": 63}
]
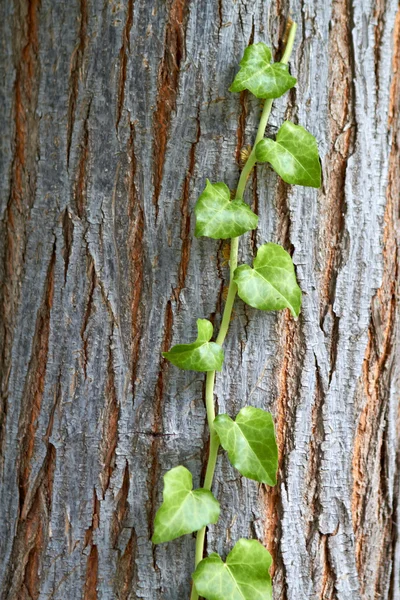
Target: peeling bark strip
[{"x": 92, "y": 290}]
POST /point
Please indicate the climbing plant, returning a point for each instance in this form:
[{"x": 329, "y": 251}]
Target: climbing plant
[{"x": 270, "y": 284}]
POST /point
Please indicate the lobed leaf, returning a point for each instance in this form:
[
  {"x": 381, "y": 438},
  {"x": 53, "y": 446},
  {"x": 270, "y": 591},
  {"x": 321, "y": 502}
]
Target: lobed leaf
[
  {"x": 250, "y": 443},
  {"x": 244, "y": 575},
  {"x": 201, "y": 355},
  {"x": 183, "y": 510},
  {"x": 259, "y": 76},
  {"x": 218, "y": 217},
  {"x": 271, "y": 284},
  {"x": 294, "y": 155}
]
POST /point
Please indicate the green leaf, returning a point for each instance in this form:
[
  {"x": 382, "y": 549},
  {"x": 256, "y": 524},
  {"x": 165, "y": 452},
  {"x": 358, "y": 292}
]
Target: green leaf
[
  {"x": 201, "y": 355},
  {"x": 257, "y": 74},
  {"x": 294, "y": 155},
  {"x": 183, "y": 510},
  {"x": 250, "y": 443},
  {"x": 244, "y": 575},
  {"x": 271, "y": 284},
  {"x": 220, "y": 218}
]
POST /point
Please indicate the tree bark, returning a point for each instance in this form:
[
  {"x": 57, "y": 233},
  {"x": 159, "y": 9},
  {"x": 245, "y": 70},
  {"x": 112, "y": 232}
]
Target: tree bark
[{"x": 113, "y": 114}]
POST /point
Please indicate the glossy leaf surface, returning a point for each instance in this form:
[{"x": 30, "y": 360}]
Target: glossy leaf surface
[
  {"x": 259, "y": 76},
  {"x": 244, "y": 575},
  {"x": 219, "y": 217},
  {"x": 183, "y": 510},
  {"x": 271, "y": 283},
  {"x": 201, "y": 355},
  {"x": 250, "y": 443},
  {"x": 294, "y": 155}
]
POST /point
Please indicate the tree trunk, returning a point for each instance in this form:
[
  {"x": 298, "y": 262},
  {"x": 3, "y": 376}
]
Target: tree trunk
[{"x": 113, "y": 114}]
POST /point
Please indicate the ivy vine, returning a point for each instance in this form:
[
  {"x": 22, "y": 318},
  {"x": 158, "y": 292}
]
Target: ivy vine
[{"x": 270, "y": 284}]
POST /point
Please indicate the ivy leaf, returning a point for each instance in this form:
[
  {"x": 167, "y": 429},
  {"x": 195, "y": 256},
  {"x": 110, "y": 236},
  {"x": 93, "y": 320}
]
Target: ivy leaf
[
  {"x": 257, "y": 74},
  {"x": 271, "y": 284},
  {"x": 201, "y": 355},
  {"x": 183, "y": 510},
  {"x": 294, "y": 155},
  {"x": 220, "y": 218},
  {"x": 244, "y": 575},
  {"x": 250, "y": 443}
]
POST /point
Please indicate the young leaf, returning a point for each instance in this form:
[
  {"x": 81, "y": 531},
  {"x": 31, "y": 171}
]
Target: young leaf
[
  {"x": 220, "y": 218},
  {"x": 183, "y": 510},
  {"x": 201, "y": 355},
  {"x": 244, "y": 575},
  {"x": 257, "y": 74},
  {"x": 250, "y": 443},
  {"x": 294, "y": 155},
  {"x": 271, "y": 284}
]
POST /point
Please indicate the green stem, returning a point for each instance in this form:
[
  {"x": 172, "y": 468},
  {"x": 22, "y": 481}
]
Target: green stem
[
  {"x": 226, "y": 317},
  {"x": 251, "y": 161},
  {"x": 289, "y": 43}
]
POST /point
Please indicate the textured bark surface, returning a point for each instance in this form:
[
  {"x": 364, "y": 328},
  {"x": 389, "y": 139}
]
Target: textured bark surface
[{"x": 112, "y": 115}]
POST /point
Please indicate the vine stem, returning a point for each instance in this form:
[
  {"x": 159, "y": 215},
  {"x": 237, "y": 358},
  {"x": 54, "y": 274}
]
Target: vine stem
[{"x": 226, "y": 317}]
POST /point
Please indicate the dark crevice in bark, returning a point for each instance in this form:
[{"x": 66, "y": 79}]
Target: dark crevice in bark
[
  {"x": 154, "y": 450},
  {"x": 92, "y": 283},
  {"x": 168, "y": 82},
  {"x": 371, "y": 454},
  {"x": 393, "y": 590},
  {"x": 34, "y": 533},
  {"x": 31, "y": 536},
  {"x": 241, "y": 128},
  {"x": 122, "y": 508},
  {"x": 185, "y": 212},
  {"x": 223, "y": 255},
  {"x": 342, "y": 125},
  {"x": 379, "y": 18},
  {"x": 92, "y": 568},
  {"x": 220, "y": 17},
  {"x": 76, "y": 72},
  {"x": 34, "y": 389},
  {"x": 123, "y": 60},
  {"x": 92, "y": 563},
  {"x": 328, "y": 591},
  {"x": 68, "y": 235},
  {"x": 315, "y": 457},
  {"x": 136, "y": 251},
  {"x": 288, "y": 382},
  {"x": 109, "y": 438},
  {"x": 81, "y": 181},
  {"x": 22, "y": 185},
  {"x": 126, "y": 575},
  {"x": 283, "y": 211},
  {"x": 254, "y": 208}
]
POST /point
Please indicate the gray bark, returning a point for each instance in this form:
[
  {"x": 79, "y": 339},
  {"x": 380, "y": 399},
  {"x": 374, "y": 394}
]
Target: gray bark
[{"x": 113, "y": 113}]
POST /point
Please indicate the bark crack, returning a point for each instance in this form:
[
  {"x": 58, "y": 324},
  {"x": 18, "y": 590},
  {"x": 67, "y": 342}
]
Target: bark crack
[
  {"x": 76, "y": 72},
  {"x": 168, "y": 82}
]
